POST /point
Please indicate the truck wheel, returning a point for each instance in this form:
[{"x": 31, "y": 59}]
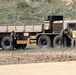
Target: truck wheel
[
  {"x": 24, "y": 46},
  {"x": 17, "y": 46},
  {"x": 73, "y": 43},
  {"x": 57, "y": 41},
  {"x": 6, "y": 43},
  {"x": 20, "y": 46},
  {"x": 44, "y": 41}
]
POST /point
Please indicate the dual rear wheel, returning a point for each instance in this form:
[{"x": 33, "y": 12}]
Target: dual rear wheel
[{"x": 45, "y": 41}]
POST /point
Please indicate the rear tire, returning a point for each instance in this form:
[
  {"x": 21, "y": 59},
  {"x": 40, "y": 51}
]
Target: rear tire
[
  {"x": 20, "y": 46},
  {"x": 44, "y": 41},
  {"x": 6, "y": 43},
  {"x": 24, "y": 46},
  {"x": 17, "y": 46}
]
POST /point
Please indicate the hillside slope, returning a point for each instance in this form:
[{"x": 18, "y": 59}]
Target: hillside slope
[{"x": 21, "y": 11}]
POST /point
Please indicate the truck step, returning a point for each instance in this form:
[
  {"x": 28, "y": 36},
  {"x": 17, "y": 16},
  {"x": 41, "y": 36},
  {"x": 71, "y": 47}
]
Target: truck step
[
  {"x": 32, "y": 37},
  {"x": 33, "y": 41}
]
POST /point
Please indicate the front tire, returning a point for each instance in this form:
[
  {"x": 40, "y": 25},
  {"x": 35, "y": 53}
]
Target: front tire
[{"x": 44, "y": 41}]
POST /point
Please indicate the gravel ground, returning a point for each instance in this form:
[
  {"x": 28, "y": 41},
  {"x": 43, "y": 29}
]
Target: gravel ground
[{"x": 36, "y": 55}]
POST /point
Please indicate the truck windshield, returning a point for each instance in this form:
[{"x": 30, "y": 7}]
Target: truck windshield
[{"x": 71, "y": 25}]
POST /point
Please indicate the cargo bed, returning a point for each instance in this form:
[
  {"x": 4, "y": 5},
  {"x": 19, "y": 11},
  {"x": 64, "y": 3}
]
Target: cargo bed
[{"x": 21, "y": 28}]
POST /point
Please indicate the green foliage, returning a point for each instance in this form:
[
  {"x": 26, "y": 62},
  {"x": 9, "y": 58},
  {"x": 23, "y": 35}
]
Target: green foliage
[
  {"x": 22, "y": 5},
  {"x": 21, "y": 12}
]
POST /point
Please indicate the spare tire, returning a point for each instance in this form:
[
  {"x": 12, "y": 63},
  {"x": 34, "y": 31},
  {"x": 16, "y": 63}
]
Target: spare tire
[
  {"x": 6, "y": 43},
  {"x": 57, "y": 41},
  {"x": 44, "y": 41}
]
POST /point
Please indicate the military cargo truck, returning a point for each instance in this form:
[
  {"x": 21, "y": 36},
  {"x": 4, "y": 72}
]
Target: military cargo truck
[{"x": 44, "y": 35}]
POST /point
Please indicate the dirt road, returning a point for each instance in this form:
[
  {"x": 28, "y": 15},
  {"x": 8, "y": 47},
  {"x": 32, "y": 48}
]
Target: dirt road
[
  {"x": 53, "y": 68},
  {"x": 37, "y": 56},
  {"x": 36, "y": 62}
]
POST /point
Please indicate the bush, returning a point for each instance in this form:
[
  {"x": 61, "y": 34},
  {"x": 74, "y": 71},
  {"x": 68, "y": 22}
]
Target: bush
[{"x": 21, "y": 12}]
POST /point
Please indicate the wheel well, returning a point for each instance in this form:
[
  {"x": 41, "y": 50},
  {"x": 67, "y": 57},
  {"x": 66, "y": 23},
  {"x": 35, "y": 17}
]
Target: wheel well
[{"x": 37, "y": 39}]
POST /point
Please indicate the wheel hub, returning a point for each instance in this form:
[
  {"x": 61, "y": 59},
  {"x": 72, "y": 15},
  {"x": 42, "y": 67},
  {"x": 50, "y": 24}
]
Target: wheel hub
[
  {"x": 7, "y": 43},
  {"x": 44, "y": 42}
]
